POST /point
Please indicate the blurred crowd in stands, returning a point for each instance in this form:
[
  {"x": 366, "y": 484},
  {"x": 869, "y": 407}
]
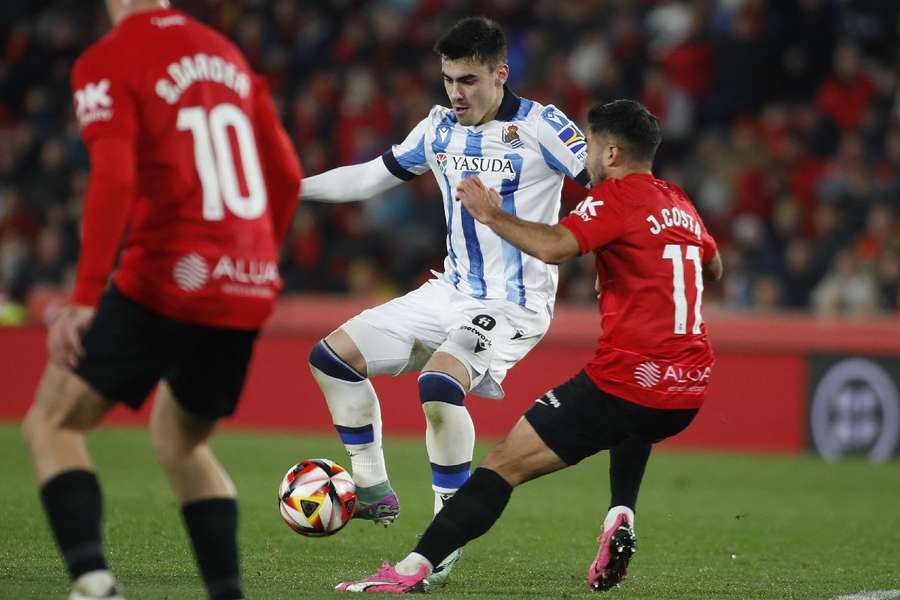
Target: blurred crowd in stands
[{"x": 781, "y": 119}]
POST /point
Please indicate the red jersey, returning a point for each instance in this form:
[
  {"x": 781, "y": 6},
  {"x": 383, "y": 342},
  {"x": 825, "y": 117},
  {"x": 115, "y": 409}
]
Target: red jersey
[
  {"x": 650, "y": 246},
  {"x": 188, "y": 152}
]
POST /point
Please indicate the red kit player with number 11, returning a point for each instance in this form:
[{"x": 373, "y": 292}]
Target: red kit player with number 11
[{"x": 194, "y": 178}]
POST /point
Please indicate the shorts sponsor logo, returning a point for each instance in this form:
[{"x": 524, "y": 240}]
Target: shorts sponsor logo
[
  {"x": 482, "y": 342},
  {"x": 856, "y": 410},
  {"x": 549, "y": 399},
  {"x": 93, "y": 103},
  {"x": 191, "y": 272},
  {"x": 486, "y": 322},
  {"x": 511, "y": 136},
  {"x": 647, "y": 374}
]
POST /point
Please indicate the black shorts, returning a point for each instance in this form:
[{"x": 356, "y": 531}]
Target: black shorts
[
  {"x": 577, "y": 420},
  {"x": 128, "y": 349}
]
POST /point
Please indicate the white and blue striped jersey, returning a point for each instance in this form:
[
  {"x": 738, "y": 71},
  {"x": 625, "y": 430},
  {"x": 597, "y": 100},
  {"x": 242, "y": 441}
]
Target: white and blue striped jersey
[{"x": 523, "y": 153}]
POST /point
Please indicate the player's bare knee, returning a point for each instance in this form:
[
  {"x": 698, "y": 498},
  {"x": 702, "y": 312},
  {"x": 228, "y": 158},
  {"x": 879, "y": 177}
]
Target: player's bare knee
[
  {"x": 62, "y": 402},
  {"x": 344, "y": 349},
  {"x": 174, "y": 432},
  {"x": 452, "y": 366}
]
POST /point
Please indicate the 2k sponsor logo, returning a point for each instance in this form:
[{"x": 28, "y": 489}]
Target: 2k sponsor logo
[
  {"x": 587, "y": 208},
  {"x": 93, "y": 103}
]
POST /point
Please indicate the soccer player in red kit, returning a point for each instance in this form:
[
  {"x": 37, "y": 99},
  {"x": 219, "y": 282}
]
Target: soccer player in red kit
[
  {"x": 194, "y": 177},
  {"x": 650, "y": 372}
]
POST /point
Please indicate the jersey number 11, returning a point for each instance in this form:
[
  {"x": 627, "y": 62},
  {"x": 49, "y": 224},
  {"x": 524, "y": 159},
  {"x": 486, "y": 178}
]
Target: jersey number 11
[{"x": 692, "y": 253}]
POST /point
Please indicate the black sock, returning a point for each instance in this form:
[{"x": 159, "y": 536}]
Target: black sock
[
  {"x": 627, "y": 462},
  {"x": 212, "y": 526},
  {"x": 466, "y": 516},
  {"x": 74, "y": 506}
]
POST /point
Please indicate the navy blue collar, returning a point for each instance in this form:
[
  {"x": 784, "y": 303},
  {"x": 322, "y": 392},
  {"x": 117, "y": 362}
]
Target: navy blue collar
[{"x": 509, "y": 106}]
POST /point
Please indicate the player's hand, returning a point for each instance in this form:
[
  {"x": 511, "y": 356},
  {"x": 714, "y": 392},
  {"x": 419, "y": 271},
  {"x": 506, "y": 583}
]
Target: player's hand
[
  {"x": 482, "y": 202},
  {"x": 64, "y": 339}
]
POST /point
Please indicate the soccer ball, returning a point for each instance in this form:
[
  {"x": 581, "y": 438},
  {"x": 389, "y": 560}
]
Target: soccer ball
[{"x": 317, "y": 497}]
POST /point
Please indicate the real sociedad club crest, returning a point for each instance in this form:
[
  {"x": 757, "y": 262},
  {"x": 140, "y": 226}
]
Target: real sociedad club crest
[{"x": 511, "y": 136}]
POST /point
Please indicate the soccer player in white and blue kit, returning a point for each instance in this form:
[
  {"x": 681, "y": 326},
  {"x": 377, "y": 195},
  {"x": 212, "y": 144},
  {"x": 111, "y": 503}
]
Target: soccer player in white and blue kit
[{"x": 467, "y": 327}]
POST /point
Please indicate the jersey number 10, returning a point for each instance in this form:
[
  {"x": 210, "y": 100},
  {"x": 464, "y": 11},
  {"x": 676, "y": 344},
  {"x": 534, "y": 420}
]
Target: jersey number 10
[
  {"x": 215, "y": 161},
  {"x": 692, "y": 253}
]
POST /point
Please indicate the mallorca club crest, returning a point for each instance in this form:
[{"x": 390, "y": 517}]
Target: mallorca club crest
[
  {"x": 511, "y": 136},
  {"x": 441, "y": 158}
]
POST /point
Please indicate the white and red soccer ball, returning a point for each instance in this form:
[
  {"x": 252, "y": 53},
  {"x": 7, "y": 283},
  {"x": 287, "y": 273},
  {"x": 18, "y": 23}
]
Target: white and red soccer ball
[{"x": 317, "y": 497}]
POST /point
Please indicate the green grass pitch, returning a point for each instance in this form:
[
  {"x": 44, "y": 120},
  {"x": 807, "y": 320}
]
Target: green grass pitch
[{"x": 709, "y": 526}]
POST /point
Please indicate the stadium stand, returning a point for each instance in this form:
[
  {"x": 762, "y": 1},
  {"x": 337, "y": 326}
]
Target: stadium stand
[{"x": 781, "y": 119}]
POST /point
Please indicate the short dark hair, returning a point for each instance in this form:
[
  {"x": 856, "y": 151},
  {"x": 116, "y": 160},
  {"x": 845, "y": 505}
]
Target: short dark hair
[
  {"x": 475, "y": 38},
  {"x": 634, "y": 127}
]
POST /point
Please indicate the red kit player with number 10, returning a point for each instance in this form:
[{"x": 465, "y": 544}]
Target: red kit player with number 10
[{"x": 193, "y": 183}]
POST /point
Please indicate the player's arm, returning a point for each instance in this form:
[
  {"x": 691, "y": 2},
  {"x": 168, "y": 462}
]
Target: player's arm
[
  {"x": 349, "y": 184},
  {"x": 110, "y": 192},
  {"x": 401, "y": 163},
  {"x": 550, "y": 243},
  {"x": 713, "y": 269},
  {"x": 712, "y": 261},
  {"x": 106, "y": 111}
]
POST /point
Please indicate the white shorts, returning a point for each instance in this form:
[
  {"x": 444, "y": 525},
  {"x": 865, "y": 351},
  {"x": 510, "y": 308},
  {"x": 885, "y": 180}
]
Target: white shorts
[{"x": 487, "y": 336}]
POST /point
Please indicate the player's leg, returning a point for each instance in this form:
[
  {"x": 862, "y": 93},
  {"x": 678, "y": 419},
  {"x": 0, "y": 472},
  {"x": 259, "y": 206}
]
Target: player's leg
[
  {"x": 618, "y": 541},
  {"x": 484, "y": 342},
  {"x": 449, "y": 437},
  {"x": 627, "y": 463},
  {"x": 449, "y": 431},
  {"x": 521, "y": 457},
  {"x": 557, "y": 431},
  {"x": 472, "y": 511},
  {"x": 122, "y": 361},
  {"x": 341, "y": 372},
  {"x": 65, "y": 408},
  {"x": 204, "y": 386},
  {"x": 204, "y": 490},
  {"x": 390, "y": 339}
]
